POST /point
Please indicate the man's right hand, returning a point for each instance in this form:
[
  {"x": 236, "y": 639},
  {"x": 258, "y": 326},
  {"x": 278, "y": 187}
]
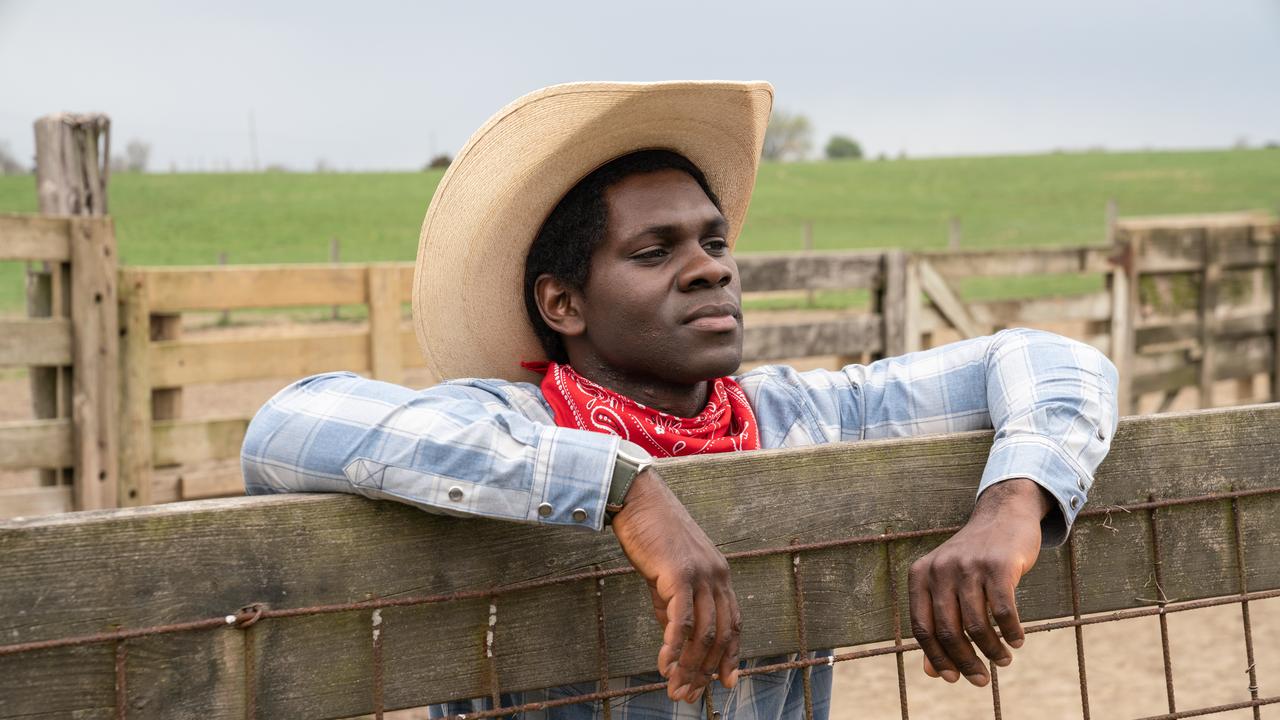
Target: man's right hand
[{"x": 688, "y": 578}]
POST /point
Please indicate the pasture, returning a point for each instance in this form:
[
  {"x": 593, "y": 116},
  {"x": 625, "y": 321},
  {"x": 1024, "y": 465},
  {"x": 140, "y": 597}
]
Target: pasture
[{"x": 1013, "y": 201}]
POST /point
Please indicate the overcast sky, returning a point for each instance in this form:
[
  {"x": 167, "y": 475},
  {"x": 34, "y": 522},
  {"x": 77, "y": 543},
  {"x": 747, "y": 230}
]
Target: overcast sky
[{"x": 383, "y": 85}]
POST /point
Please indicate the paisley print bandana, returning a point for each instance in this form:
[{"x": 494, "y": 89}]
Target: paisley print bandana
[{"x": 726, "y": 424}]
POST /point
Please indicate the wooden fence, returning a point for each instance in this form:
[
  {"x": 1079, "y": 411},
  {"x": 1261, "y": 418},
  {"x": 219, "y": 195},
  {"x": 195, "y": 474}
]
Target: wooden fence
[
  {"x": 1152, "y": 275},
  {"x": 74, "y": 340},
  {"x": 1184, "y": 507}
]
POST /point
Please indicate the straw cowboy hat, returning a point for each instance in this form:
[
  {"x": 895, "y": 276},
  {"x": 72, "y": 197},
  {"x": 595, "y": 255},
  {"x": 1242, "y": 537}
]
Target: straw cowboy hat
[{"x": 468, "y": 302}]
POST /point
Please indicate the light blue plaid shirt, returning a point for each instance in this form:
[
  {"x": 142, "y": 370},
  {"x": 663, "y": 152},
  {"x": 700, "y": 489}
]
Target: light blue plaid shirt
[{"x": 1050, "y": 399}]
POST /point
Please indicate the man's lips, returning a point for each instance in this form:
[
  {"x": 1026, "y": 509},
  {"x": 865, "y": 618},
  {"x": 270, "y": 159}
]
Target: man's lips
[{"x": 721, "y": 317}]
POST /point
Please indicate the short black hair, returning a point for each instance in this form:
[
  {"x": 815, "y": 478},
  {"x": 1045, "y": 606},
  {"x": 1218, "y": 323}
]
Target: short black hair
[{"x": 575, "y": 228}]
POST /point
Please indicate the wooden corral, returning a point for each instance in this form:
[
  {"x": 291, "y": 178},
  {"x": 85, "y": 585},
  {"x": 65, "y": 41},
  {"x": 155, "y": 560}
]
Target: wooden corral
[
  {"x": 1163, "y": 332},
  {"x": 122, "y": 570}
]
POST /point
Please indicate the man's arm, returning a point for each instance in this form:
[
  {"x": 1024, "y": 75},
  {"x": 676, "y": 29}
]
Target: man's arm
[
  {"x": 1052, "y": 403},
  {"x": 487, "y": 449}
]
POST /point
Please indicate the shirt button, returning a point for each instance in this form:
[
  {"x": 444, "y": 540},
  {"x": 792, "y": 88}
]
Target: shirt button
[
  {"x": 545, "y": 510},
  {"x": 579, "y": 515},
  {"x": 1080, "y": 484},
  {"x": 1075, "y": 502},
  {"x": 455, "y": 493},
  {"x": 1101, "y": 435}
]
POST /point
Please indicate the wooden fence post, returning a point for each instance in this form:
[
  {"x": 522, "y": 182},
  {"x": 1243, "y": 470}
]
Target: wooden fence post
[
  {"x": 900, "y": 307},
  {"x": 95, "y": 356},
  {"x": 1124, "y": 300},
  {"x": 1275, "y": 315},
  {"x": 1210, "y": 278},
  {"x": 135, "y": 390},
  {"x": 384, "y": 322},
  {"x": 71, "y": 179}
]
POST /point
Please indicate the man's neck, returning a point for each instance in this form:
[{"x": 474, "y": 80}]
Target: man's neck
[{"x": 679, "y": 400}]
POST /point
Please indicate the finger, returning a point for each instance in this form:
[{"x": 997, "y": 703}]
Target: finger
[
  {"x": 729, "y": 662},
  {"x": 973, "y": 610},
  {"x": 920, "y": 601},
  {"x": 701, "y": 642},
  {"x": 675, "y": 632},
  {"x": 928, "y": 668},
  {"x": 1005, "y": 611},
  {"x": 659, "y": 610},
  {"x": 949, "y": 631}
]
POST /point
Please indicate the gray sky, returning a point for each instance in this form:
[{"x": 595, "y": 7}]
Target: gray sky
[{"x": 381, "y": 85}]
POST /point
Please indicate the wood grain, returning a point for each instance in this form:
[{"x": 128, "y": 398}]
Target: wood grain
[
  {"x": 89, "y": 572},
  {"x": 36, "y": 444},
  {"x": 34, "y": 237},
  {"x": 261, "y": 286},
  {"x": 808, "y": 271},
  {"x": 37, "y": 341}
]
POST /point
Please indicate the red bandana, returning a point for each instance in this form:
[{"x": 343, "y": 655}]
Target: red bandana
[{"x": 726, "y": 424}]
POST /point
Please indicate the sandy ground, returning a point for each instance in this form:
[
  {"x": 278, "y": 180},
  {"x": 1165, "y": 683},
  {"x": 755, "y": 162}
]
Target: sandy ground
[{"x": 1124, "y": 667}]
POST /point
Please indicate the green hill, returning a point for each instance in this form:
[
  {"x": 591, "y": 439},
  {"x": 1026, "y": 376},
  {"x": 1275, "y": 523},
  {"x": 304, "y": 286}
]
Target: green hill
[{"x": 1056, "y": 199}]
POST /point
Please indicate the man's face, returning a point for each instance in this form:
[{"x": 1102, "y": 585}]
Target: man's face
[{"x": 663, "y": 298}]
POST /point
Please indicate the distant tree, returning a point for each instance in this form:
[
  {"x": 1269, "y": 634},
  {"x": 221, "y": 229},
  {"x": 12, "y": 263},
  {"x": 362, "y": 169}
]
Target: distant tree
[
  {"x": 323, "y": 166},
  {"x": 137, "y": 154},
  {"x": 9, "y": 165},
  {"x": 439, "y": 161},
  {"x": 277, "y": 168},
  {"x": 789, "y": 137},
  {"x": 843, "y": 147}
]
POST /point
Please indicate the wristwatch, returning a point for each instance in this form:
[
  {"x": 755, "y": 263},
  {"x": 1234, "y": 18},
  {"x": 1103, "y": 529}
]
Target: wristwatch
[{"x": 630, "y": 462}]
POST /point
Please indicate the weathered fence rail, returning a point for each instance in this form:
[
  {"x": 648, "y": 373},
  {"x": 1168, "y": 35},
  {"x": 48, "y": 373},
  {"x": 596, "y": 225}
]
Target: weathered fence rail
[
  {"x": 365, "y": 604},
  {"x": 75, "y": 344}
]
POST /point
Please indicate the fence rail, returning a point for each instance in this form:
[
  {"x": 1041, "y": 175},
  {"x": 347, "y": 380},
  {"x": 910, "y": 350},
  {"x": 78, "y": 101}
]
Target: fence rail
[{"x": 331, "y": 606}]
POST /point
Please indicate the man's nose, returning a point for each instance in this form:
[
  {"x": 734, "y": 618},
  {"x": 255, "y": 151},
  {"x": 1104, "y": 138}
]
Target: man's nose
[{"x": 703, "y": 269}]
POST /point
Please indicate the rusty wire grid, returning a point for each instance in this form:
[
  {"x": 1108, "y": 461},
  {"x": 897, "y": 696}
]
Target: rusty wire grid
[{"x": 247, "y": 617}]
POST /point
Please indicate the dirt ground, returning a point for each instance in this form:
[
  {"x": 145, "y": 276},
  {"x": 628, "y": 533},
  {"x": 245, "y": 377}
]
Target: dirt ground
[{"x": 1124, "y": 667}]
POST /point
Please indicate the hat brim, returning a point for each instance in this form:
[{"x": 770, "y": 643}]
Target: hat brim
[{"x": 468, "y": 293}]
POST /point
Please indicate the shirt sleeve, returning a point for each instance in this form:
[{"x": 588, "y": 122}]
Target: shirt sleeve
[
  {"x": 462, "y": 448},
  {"x": 1050, "y": 399}
]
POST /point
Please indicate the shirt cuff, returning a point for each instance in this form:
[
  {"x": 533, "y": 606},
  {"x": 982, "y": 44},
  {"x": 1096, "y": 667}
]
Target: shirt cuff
[
  {"x": 572, "y": 472},
  {"x": 1046, "y": 464}
]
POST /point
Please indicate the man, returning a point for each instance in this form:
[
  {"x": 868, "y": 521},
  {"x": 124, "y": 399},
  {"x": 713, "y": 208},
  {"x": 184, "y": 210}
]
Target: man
[{"x": 586, "y": 230}]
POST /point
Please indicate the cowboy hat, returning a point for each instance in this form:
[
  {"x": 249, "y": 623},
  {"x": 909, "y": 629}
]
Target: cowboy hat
[{"x": 468, "y": 301}]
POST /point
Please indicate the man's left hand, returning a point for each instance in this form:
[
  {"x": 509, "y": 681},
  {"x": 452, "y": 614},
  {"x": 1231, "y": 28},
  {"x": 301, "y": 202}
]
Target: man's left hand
[{"x": 978, "y": 568}]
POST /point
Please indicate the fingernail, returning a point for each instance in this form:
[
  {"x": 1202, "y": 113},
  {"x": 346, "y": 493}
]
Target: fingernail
[
  {"x": 1017, "y": 643},
  {"x": 680, "y": 691},
  {"x": 697, "y": 694},
  {"x": 950, "y": 675},
  {"x": 976, "y": 679},
  {"x": 1003, "y": 661}
]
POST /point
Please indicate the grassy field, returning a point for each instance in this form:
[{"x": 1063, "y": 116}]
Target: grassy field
[{"x": 1002, "y": 201}]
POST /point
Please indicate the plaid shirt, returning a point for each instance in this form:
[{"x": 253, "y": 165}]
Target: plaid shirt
[{"x": 1051, "y": 401}]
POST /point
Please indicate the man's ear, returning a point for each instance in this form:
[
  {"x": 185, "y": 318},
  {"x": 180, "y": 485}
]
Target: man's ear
[{"x": 560, "y": 305}]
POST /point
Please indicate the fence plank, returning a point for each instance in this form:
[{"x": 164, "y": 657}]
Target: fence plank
[
  {"x": 1210, "y": 279},
  {"x": 1094, "y": 307},
  {"x": 36, "y": 444},
  {"x": 96, "y": 356},
  {"x": 175, "y": 442},
  {"x": 1240, "y": 357},
  {"x": 1040, "y": 261},
  {"x": 34, "y": 237},
  {"x": 28, "y": 502},
  {"x": 37, "y": 341},
  {"x": 946, "y": 300},
  {"x": 1275, "y": 319},
  {"x": 131, "y": 568},
  {"x": 808, "y": 271},
  {"x": 135, "y": 391},
  {"x": 184, "y": 362},
  {"x": 385, "y": 306},
  {"x": 261, "y": 286},
  {"x": 844, "y": 336}
]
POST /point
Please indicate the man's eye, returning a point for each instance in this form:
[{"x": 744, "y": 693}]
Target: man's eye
[
  {"x": 716, "y": 245},
  {"x": 651, "y": 254}
]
